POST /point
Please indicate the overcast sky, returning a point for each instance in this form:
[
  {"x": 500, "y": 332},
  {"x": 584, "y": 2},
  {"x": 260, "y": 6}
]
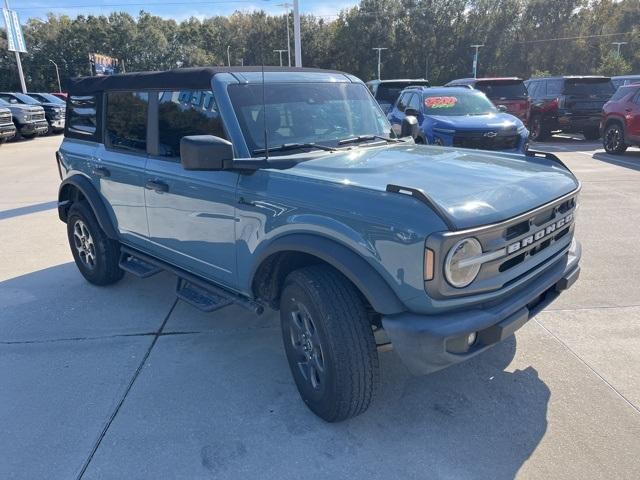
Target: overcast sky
[{"x": 176, "y": 9}]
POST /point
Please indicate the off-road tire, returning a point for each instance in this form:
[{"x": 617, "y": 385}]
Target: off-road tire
[
  {"x": 613, "y": 139},
  {"x": 106, "y": 252},
  {"x": 591, "y": 134},
  {"x": 345, "y": 336}
]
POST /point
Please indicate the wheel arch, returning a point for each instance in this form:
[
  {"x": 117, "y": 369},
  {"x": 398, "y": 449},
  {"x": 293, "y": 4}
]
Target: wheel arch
[
  {"x": 78, "y": 188},
  {"x": 615, "y": 119},
  {"x": 294, "y": 251}
]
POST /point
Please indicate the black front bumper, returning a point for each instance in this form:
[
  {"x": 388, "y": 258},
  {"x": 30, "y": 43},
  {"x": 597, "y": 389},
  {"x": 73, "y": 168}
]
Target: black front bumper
[
  {"x": 7, "y": 131},
  {"x": 427, "y": 343},
  {"x": 38, "y": 127}
]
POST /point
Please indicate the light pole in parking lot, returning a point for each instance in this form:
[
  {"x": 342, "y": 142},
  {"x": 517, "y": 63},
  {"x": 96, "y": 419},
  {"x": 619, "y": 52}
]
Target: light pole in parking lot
[
  {"x": 379, "y": 49},
  {"x": 287, "y": 6},
  {"x": 619, "y": 44},
  {"x": 475, "y": 59},
  {"x": 57, "y": 74}
]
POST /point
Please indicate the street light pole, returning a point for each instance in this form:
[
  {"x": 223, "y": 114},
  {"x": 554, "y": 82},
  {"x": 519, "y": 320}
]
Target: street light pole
[
  {"x": 379, "y": 49},
  {"x": 619, "y": 44},
  {"x": 57, "y": 74},
  {"x": 475, "y": 60},
  {"x": 228, "y": 55},
  {"x": 281, "y": 52},
  {"x": 287, "y": 6},
  {"x": 23, "y": 84},
  {"x": 296, "y": 33}
]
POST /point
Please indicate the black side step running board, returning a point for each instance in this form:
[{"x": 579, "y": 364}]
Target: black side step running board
[{"x": 192, "y": 289}]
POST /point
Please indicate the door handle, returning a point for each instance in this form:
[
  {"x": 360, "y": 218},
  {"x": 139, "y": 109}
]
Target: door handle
[
  {"x": 101, "y": 172},
  {"x": 157, "y": 186},
  {"x": 244, "y": 201}
]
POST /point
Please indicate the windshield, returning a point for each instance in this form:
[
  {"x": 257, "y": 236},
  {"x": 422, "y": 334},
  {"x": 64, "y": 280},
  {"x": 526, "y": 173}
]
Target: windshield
[
  {"x": 26, "y": 99},
  {"x": 320, "y": 113},
  {"x": 598, "y": 86},
  {"x": 47, "y": 98},
  {"x": 458, "y": 103},
  {"x": 503, "y": 90}
]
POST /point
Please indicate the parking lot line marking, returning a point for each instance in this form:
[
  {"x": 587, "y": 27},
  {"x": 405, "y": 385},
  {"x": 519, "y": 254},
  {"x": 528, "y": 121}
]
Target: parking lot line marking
[
  {"x": 634, "y": 407},
  {"x": 113, "y": 415}
]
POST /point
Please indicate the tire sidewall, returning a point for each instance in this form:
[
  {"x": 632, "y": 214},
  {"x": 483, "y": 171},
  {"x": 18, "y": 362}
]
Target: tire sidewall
[
  {"x": 80, "y": 211},
  {"x": 317, "y": 400},
  {"x": 621, "y": 146}
]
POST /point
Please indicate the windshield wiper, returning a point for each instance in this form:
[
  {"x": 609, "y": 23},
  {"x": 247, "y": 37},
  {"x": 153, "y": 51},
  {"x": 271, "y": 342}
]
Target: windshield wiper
[
  {"x": 294, "y": 146},
  {"x": 365, "y": 138}
]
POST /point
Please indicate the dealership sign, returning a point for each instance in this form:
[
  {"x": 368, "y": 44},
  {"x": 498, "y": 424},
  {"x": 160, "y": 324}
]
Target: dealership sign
[{"x": 15, "y": 37}]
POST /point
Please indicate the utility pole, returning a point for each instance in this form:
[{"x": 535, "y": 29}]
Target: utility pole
[
  {"x": 619, "y": 44},
  {"x": 280, "y": 52},
  {"x": 228, "y": 55},
  {"x": 23, "y": 84},
  {"x": 475, "y": 60},
  {"x": 379, "y": 49},
  {"x": 57, "y": 74},
  {"x": 287, "y": 6},
  {"x": 426, "y": 67},
  {"x": 296, "y": 33}
]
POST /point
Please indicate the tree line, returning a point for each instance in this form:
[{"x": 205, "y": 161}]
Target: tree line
[{"x": 429, "y": 38}]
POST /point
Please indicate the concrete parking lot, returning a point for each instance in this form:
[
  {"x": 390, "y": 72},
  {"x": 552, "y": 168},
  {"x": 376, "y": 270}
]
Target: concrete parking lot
[{"x": 125, "y": 382}]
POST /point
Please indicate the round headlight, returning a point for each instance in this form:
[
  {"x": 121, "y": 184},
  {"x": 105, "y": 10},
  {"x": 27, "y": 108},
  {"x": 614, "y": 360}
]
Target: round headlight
[{"x": 457, "y": 275}]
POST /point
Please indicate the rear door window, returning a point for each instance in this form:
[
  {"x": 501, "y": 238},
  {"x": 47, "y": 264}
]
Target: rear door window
[
  {"x": 186, "y": 113},
  {"x": 82, "y": 117},
  {"x": 126, "y": 121}
]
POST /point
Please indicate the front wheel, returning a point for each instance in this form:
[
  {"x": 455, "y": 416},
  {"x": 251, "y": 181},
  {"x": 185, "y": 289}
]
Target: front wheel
[
  {"x": 613, "y": 139},
  {"x": 329, "y": 342},
  {"x": 96, "y": 255}
]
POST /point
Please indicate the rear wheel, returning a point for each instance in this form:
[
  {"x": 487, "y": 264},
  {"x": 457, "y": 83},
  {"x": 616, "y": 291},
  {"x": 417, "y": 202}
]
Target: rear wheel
[
  {"x": 96, "y": 255},
  {"x": 329, "y": 342},
  {"x": 539, "y": 132},
  {"x": 592, "y": 134},
  {"x": 613, "y": 139}
]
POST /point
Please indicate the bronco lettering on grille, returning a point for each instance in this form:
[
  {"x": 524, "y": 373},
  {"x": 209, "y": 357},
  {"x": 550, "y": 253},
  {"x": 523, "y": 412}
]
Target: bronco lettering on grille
[{"x": 540, "y": 234}]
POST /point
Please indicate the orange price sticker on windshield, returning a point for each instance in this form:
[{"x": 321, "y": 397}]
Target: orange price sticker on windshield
[{"x": 440, "y": 102}]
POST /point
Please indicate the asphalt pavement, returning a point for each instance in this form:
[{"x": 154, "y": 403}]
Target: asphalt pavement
[{"x": 126, "y": 382}]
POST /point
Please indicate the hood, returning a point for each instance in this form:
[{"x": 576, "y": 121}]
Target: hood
[
  {"x": 26, "y": 108},
  {"x": 492, "y": 121},
  {"x": 473, "y": 187}
]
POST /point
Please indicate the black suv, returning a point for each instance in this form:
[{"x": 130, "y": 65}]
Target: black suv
[
  {"x": 386, "y": 92},
  {"x": 571, "y": 104}
]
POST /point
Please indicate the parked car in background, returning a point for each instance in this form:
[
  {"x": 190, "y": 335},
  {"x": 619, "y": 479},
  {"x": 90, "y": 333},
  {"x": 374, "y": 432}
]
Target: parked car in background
[
  {"x": 28, "y": 116},
  {"x": 459, "y": 117},
  {"x": 54, "y": 109},
  {"x": 621, "y": 119},
  {"x": 7, "y": 128},
  {"x": 621, "y": 80},
  {"x": 570, "y": 104},
  {"x": 386, "y": 92},
  {"x": 507, "y": 91},
  {"x": 291, "y": 192},
  {"x": 60, "y": 95}
]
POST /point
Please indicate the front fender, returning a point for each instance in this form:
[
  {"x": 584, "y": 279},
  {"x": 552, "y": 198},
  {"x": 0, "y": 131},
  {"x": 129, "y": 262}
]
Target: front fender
[
  {"x": 364, "y": 276},
  {"x": 67, "y": 195}
]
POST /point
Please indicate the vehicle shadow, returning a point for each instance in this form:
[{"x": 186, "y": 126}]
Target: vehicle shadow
[
  {"x": 567, "y": 143},
  {"x": 38, "y": 207},
  {"x": 630, "y": 159},
  {"x": 477, "y": 419}
]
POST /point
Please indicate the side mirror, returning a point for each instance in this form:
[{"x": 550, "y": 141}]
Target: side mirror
[
  {"x": 205, "y": 152},
  {"x": 502, "y": 108},
  {"x": 409, "y": 126},
  {"x": 412, "y": 112}
]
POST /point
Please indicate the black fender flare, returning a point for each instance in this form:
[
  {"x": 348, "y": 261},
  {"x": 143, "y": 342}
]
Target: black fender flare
[
  {"x": 90, "y": 193},
  {"x": 370, "y": 283}
]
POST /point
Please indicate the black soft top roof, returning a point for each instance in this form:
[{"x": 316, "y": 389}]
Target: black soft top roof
[{"x": 197, "y": 78}]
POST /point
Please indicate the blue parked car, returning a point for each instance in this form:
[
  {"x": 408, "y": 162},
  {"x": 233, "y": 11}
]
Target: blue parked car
[
  {"x": 286, "y": 188},
  {"x": 459, "y": 117}
]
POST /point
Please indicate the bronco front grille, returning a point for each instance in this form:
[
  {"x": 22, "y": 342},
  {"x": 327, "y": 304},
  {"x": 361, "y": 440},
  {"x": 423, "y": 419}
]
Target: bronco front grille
[
  {"x": 5, "y": 118},
  {"x": 36, "y": 117},
  {"x": 511, "y": 249},
  {"x": 486, "y": 140}
]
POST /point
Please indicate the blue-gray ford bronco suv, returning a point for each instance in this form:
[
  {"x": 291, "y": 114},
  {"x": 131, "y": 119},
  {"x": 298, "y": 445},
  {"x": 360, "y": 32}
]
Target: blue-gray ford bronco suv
[{"x": 286, "y": 188}]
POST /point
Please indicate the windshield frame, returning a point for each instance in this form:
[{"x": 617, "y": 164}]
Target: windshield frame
[{"x": 380, "y": 125}]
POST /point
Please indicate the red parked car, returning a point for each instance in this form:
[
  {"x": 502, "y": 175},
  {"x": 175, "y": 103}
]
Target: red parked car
[
  {"x": 60, "y": 95},
  {"x": 620, "y": 125},
  {"x": 507, "y": 91}
]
